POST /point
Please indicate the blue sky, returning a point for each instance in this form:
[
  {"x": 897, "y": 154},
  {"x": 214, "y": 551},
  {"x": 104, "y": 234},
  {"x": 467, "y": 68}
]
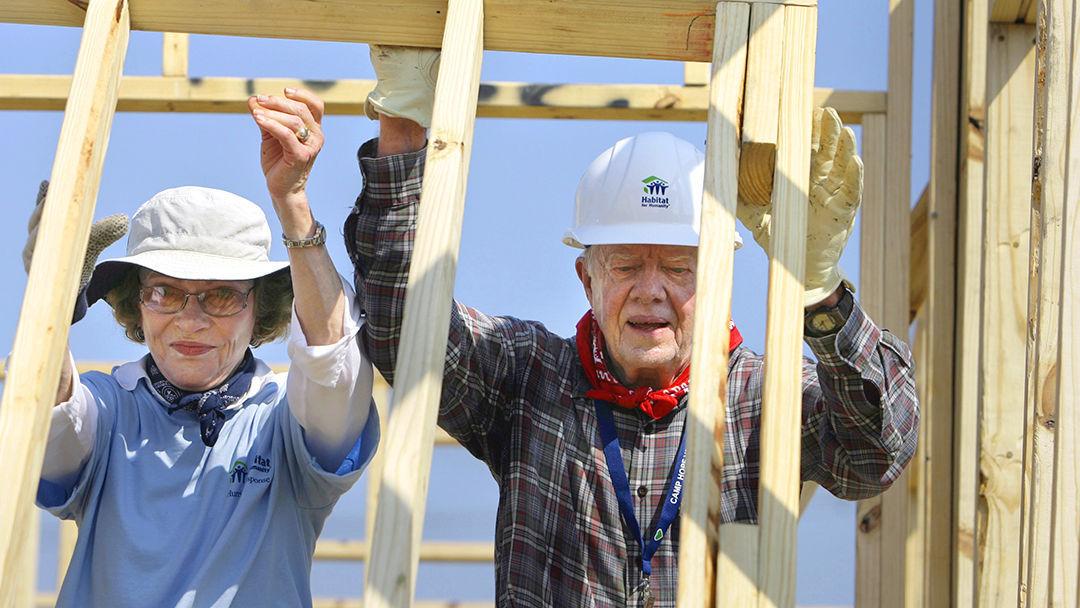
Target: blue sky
[{"x": 523, "y": 176}]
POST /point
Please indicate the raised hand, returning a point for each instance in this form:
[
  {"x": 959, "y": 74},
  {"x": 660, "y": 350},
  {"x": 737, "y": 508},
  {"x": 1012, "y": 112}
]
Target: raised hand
[
  {"x": 292, "y": 137},
  {"x": 102, "y": 234},
  {"x": 836, "y": 187}
]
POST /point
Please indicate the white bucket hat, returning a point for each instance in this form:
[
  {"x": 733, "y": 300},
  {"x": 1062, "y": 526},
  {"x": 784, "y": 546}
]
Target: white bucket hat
[
  {"x": 193, "y": 233},
  {"x": 645, "y": 189}
]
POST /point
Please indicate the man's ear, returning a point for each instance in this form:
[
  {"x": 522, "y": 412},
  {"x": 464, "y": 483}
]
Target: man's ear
[{"x": 583, "y": 275}]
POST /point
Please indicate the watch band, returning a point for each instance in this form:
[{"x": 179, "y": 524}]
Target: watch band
[
  {"x": 317, "y": 240},
  {"x": 827, "y": 320}
]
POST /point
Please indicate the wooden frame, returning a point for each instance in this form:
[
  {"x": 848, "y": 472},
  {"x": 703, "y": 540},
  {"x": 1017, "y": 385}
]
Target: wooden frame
[
  {"x": 607, "y": 36},
  {"x": 497, "y": 99}
]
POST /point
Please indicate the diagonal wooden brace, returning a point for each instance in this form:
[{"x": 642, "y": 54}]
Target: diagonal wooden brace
[
  {"x": 41, "y": 337},
  {"x": 391, "y": 575}
]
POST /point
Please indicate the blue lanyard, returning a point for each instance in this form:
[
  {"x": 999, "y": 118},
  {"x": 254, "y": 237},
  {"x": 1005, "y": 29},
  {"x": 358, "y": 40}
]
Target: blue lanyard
[{"x": 672, "y": 498}]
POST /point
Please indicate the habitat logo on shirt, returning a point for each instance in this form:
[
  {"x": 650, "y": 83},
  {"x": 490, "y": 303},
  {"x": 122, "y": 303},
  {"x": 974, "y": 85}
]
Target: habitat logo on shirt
[{"x": 259, "y": 472}]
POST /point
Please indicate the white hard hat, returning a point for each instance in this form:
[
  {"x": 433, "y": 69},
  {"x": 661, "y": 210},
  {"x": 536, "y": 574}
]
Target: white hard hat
[{"x": 645, "y": 189}]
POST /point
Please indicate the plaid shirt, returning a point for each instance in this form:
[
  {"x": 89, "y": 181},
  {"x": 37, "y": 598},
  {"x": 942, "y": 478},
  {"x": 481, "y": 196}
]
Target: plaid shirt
[{"x": 513, "y": 395}]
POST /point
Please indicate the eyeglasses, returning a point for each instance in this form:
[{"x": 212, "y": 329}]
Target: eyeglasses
[{"x": 216, "y": 302}]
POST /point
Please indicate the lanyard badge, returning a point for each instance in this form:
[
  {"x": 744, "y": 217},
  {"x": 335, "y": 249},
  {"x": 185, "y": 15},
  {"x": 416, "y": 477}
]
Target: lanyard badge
[{"x": 672, "y": 497}]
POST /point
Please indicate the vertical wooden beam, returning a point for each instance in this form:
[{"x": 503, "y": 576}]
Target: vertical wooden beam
[
  {"x": 959, "y": 228},
  {"x": 1051, "y": 476},
  {"x": 872, "y": 298},
  {"x": 696, "y": 73},
  {"x": 700, "y": 517},
  {"x": 895, "y": 502},
  {"x": 174, "y": 55},
  {"x": 1010, "y": 76},
  {"x": 26, "y": 580},
  {"x": 69, "y": 535},
  {"x": 761, "y": 105},
  {"x": 381, "y": 396},
  {"x": 919, "y": 271},
  {"x": 781, "y": 416},
  {"x": 391, "y": 573},
  {"x": 41, "y": 337}
]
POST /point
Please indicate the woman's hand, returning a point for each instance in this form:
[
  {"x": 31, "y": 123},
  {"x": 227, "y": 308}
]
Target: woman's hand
[{"x": 292, "y": 137}]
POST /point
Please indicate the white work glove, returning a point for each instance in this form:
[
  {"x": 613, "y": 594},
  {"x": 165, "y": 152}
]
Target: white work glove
[
  {"x": 102, "y": 234},
  {"x": 836, "y": 187},
  {"x": 406, "y": 86}
]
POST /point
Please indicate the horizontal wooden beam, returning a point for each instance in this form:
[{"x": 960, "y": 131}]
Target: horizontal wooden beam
[
  {"x": 1013, "y": 11},
  {"x": 497, "y": 99},
  {"x": 350, "y": 550},
  {"x": 647, "y": 29}
]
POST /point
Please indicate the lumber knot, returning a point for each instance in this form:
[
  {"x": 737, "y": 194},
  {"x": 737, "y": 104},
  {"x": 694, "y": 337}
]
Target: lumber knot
[{"x": 870, "y": 522}]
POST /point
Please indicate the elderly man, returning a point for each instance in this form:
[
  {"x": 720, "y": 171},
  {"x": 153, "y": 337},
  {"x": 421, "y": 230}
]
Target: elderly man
[{"x": 583, "y": 434}]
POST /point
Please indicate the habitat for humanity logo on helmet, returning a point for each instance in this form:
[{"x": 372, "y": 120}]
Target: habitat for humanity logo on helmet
[{"x": 655, "y": 193}]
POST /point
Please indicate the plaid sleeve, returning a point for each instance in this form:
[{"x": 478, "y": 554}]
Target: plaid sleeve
[
  {"x": 860, "y": 409},
  {"x": 484, "y": 353}
]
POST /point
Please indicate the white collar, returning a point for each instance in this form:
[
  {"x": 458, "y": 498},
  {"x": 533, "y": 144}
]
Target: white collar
[{"x": 128, "y": 375}]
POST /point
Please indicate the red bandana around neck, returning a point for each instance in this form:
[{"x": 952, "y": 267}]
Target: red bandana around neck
[{"x": 656, "y": 403}]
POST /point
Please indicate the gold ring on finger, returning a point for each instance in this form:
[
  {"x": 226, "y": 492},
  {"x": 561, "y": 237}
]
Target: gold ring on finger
[{"x": 303, "y": 134}]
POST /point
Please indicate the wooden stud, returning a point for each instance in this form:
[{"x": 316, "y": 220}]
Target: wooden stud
[
  {"x": 26, "y": 578},
  {"x": 781, "y": 416},
  {"x": 1006, "y": 224},
  {"x": 69, "y": 535},
  {"x": 955, "y": 365},
  {"x": 677, "y": 29},
  {"x": 737, "y": 566},
  {"x": 936, "y": 452},
  {"x": 920, "y": 264},
  {"x": 381, "y": 396},
  {"x": 761, "y": 105},
  {"x": 895, "y": 502},
  {"x": 391, "y": 575},
  {"x": 174, "y": 55},
  {"x": 1051, "y": 477},
  {"x": 872, "y": 298},
  {"x": 898, "y": 159},
  {"x": 41, "y": 337},
  {"x": 696, "y": 73},
  {"x": 700, "y": 511},
  {"x": 497, "y": 99}
]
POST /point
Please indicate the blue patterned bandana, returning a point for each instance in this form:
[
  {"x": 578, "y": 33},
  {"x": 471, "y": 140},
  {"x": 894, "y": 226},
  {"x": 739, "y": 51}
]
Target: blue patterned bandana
[{"x": 208, "y": 406}]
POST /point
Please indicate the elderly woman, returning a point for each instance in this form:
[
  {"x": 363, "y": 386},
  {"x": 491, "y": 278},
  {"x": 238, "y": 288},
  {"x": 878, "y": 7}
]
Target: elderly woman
[{"x": 197, "y": 476}]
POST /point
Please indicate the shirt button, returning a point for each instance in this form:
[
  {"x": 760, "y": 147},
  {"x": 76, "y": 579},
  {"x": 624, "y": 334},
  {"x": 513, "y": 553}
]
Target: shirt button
[{"x": 642, "y": 491}]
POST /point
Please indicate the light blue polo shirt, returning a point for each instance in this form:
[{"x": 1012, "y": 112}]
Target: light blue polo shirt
[{"x": 165, "y": 521}]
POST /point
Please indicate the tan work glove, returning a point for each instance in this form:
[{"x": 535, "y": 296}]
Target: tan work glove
[
  {"x": 102, "y": 234},
  {"x": 836, "y": 187},
  {"x": 406, "y": 87}
]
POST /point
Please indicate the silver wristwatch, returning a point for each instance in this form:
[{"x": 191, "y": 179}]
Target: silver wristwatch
[{"x": 313, "y": 241}]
